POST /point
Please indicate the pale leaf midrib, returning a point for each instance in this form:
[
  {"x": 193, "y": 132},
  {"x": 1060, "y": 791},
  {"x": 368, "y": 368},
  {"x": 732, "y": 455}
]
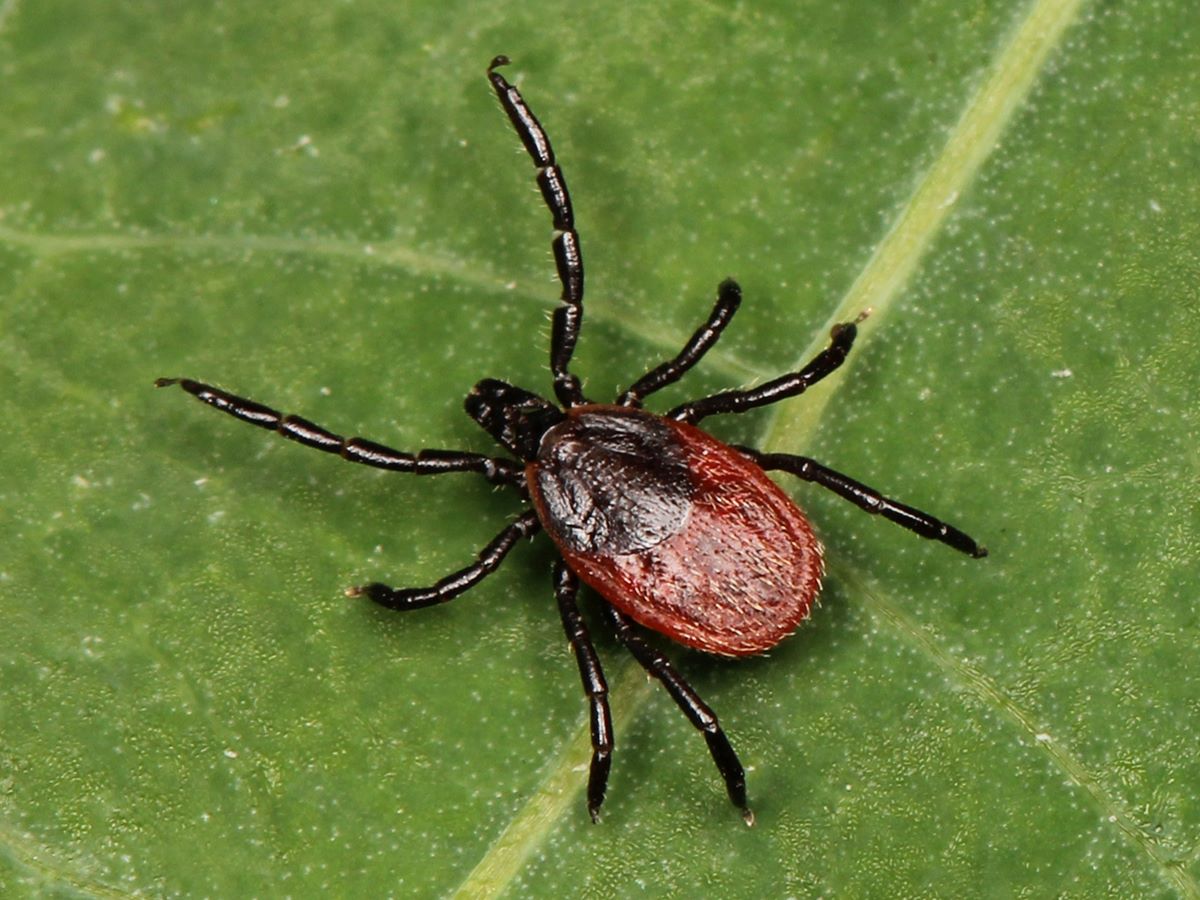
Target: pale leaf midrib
[
  {"x": 879, "y": 285},
  {"x": 791, "y": 427}
]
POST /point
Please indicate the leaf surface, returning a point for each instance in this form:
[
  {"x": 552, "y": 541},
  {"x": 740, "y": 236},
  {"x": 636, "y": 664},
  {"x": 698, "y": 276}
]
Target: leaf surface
[{"x": 319, "y": 206}]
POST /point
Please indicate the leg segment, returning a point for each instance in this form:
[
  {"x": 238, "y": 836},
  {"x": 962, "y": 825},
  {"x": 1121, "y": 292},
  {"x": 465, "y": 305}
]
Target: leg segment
[
  {"x": 566, "y": 585},
  {"x": 456, "y": 583},
  {"x": 868, "y": 499},
  {"x": 729, "y": 297},
  {"x": 698, "y": 713},
  {"x": 355, "y": 449},
  {"x": 567, "y": 256},
  {"x": 841, "y": 339}
]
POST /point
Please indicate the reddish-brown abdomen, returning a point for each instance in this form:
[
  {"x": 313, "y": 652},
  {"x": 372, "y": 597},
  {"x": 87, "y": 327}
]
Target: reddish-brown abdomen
[{"x": 734, "y": 574}]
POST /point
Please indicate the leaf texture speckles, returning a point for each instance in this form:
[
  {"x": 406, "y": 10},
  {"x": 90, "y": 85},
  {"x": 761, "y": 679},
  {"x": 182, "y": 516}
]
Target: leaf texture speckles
[{"x": 344, "y": 227}]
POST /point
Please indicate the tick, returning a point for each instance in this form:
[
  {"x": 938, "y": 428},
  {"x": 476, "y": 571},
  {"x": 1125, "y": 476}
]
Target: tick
[{"x": 677, "y": 532}]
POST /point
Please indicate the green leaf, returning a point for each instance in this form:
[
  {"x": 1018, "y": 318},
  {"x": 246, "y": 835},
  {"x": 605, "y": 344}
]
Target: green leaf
[{"x": 318, "y": 205}]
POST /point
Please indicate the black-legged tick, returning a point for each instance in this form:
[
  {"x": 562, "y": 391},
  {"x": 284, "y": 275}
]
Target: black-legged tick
[{"x": 675, "y": 530}]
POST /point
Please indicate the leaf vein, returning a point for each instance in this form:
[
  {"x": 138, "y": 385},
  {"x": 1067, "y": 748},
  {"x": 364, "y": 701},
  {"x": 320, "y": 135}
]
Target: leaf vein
[{"x": 970, "y": 678}]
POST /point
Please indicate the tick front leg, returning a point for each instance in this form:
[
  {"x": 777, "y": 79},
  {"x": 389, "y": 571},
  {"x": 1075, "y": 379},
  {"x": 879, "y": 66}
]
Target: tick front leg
[
  {"x": 868, "y": 499},
  {"x": 566, "y": 586},
  {"x": 355, "y": 449},
  {"x": 568, "y": 258},
  {"x": 452, "y": 585},
  {"x": 697, "y": 711}
]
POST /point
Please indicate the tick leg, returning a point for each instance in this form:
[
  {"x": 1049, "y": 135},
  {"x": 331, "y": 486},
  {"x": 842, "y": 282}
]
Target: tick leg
[
  {"x": 566, "y": 586},
  {"x": 697, "y": 711},
  {"x": 452, "y": 585},
  {"x": 355, "y": 449},
  {"x": 568, "y": 259},
  {"x": 868, "y": 498},
  {"x": 841, "y": 339},
  {"x": 729, "y": 298}
]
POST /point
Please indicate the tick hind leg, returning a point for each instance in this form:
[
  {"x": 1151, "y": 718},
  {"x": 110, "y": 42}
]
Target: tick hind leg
[
  {"x": 566, "y": 586},
  {"x": 729, "y": 298},
  {"x": 355, "y": 449},
  {"x": 697, "y": 711},
  {"x": 568, "y": 259},
  {"x": 868, "y": 498},
  {"x": 824, "y": 363}
]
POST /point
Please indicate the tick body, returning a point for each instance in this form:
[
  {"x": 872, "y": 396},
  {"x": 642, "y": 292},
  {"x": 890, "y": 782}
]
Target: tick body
[
  {"x": 680, "y": 532},
  {"x": 674, "y": 530}
]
